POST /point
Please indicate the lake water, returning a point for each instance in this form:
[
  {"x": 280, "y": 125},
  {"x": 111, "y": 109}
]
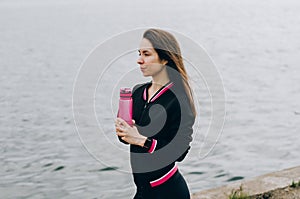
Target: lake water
[{"x": 255, "y": 46}]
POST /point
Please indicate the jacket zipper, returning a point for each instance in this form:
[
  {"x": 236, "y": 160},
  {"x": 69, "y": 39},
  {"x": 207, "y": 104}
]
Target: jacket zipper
[
  {"x": 144, "y": 109},
  {"x": 146, "y": 105}
]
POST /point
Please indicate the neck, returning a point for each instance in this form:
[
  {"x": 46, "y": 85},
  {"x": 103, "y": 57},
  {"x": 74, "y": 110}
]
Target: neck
[{"x": 160, "y": 80}]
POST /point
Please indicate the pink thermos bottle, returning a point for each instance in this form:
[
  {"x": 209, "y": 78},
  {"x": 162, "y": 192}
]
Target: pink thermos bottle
[{"x": 125, "y": 105}]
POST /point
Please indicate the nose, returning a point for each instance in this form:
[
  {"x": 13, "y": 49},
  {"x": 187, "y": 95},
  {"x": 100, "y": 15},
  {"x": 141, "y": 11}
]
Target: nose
[{"x": 140, "y": 60}]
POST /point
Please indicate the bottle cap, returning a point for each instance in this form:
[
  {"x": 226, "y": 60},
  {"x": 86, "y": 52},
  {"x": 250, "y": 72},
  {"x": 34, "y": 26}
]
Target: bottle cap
[{"x": 125, "y": 92}]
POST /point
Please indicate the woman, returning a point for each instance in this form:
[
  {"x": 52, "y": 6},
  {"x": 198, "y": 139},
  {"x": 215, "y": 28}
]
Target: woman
[{"x": 163, "y": 114}]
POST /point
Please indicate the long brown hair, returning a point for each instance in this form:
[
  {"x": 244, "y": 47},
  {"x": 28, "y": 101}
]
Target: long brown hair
[{"x": 167, "y": 48}]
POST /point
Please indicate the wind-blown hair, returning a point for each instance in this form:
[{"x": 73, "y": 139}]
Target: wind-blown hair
[{"x": 167, "y": 48}]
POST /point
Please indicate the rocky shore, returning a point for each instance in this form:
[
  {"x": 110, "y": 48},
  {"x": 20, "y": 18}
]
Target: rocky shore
[
  {"x": 287, "y": 192},
  {"x": 280, "y": 185}
]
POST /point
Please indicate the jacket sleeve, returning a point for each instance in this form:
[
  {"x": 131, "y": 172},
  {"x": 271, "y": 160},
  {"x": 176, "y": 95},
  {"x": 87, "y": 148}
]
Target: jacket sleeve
[
  {"x": 185, "y": 130},
  {"x": 178, "y": 128}
]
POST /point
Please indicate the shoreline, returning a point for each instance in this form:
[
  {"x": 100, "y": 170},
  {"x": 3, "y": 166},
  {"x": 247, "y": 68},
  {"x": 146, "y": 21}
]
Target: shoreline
[{"x": 257, "y": 186}]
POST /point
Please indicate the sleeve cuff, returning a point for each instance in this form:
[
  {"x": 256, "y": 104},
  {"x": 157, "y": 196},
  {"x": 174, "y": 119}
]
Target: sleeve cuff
[{"x": 153, "y": 146}]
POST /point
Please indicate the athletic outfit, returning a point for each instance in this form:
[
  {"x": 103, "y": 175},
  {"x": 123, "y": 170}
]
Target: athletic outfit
[{"x": 166, "y": 120}]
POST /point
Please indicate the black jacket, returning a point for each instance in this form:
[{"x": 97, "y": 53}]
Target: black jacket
[{"x": 166, "y": 120}]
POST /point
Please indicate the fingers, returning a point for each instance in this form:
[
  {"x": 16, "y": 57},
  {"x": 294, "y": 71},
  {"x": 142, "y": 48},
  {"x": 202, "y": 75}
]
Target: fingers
[
  {"x": 118, "y": 124},
  {"x": 119, "y": 129},
  {"x": 121, "y": 122},
  {"x": 121, "y": 134}
]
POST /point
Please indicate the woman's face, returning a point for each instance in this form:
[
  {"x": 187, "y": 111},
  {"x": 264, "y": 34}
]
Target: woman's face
[{"x": 149, "y": 61}]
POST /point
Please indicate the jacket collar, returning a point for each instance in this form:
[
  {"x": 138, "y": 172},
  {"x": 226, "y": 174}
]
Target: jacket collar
[{"x": 158, "y": 93}]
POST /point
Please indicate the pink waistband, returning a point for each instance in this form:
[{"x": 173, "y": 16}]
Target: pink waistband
[{"x": 164, "y": 178}]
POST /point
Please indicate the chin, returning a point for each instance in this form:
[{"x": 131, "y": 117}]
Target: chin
[{"x": 146, "y": 75}]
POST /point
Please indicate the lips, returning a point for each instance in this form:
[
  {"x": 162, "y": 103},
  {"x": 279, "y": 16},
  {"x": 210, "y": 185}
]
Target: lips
[{"x": 143, "y": 69}]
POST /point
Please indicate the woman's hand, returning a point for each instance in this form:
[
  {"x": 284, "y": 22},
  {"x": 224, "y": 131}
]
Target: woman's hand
[{"x": 129, "y": 134}]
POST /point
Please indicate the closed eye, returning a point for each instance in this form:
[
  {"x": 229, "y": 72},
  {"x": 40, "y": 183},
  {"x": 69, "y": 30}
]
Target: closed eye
[{"x": 144, "y": 52}]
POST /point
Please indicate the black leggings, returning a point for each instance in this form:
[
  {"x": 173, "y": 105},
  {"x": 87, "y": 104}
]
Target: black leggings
[{"x": 174, "y": 188}]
